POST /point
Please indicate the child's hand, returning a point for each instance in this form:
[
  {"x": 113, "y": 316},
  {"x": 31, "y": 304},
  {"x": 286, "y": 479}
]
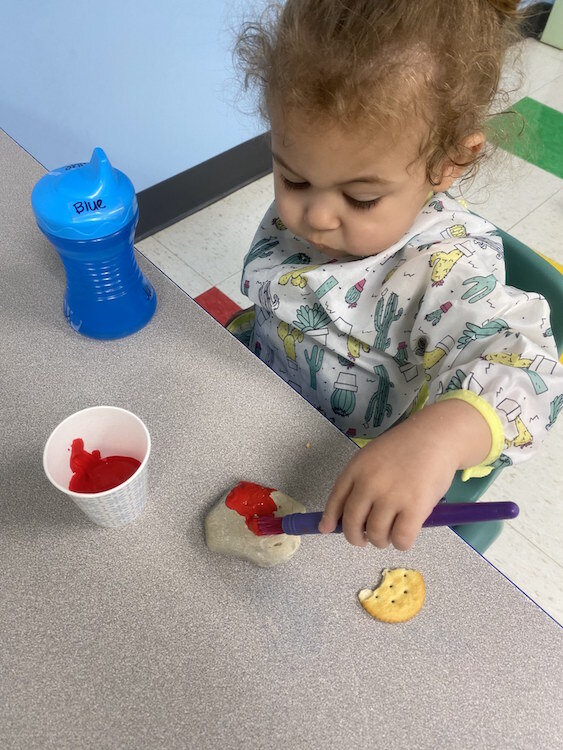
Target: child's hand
[{"x": 391, "y": 486}]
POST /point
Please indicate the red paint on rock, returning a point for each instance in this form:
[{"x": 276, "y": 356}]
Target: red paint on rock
[{"x": 253, "y": 501}]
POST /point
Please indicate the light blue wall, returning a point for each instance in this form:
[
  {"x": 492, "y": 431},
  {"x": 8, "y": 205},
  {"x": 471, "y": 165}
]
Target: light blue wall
[{"x": 150, "y": 82}]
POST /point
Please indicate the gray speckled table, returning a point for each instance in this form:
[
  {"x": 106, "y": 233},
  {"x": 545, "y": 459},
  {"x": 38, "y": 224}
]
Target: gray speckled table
[{"x": 141, "y": 638}]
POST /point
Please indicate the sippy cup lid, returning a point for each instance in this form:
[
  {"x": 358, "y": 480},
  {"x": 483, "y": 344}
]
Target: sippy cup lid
[{"x": 84, "y": 201}]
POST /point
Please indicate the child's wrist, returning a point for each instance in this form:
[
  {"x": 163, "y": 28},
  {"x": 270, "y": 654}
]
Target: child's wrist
[{"x": 458, "y": 429}]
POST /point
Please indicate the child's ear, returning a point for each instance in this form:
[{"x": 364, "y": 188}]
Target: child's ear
[{"x": 467, "y": 150}]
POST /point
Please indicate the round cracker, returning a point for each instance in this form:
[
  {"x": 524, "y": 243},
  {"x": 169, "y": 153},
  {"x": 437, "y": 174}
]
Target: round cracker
[{"x": 398, "y": 598}]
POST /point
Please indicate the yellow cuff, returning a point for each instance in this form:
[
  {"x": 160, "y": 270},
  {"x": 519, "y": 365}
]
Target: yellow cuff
[
  {"x": 495, "y": 426},
  {"x": 361, "y": 442}
]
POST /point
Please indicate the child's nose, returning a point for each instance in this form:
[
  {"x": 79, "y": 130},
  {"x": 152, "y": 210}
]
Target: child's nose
[{"x": 320, "y": 215}]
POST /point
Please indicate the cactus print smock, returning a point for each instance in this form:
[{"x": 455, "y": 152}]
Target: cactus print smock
[{"x": 369, "y": 340}]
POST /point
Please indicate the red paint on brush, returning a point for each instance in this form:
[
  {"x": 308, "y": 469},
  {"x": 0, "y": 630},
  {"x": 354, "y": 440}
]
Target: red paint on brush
[
  {"x": 92, "y": 473},
  {"x": 253, "y": 501}
]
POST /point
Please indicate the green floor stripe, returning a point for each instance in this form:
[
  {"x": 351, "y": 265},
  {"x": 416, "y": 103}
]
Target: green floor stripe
[{"x": 541, "y": 140}]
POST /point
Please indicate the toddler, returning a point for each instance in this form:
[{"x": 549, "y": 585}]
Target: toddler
[{"x": 377, "y": 296}]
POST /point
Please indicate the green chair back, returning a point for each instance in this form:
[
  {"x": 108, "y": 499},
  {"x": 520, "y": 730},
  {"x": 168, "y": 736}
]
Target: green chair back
[{"x": 528, "y": 271}]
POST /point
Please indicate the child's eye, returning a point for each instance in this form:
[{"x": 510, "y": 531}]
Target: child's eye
[
  {"x": 362, "y": 205},
  {"x": 294, "y": 185}
]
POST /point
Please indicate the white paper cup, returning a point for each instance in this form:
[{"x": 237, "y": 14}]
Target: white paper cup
[{"x": 114, "y": 432}]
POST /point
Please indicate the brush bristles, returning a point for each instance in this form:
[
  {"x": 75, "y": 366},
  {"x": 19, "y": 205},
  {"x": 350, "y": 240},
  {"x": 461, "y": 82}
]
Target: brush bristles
[{"x": 269, "y": 525}]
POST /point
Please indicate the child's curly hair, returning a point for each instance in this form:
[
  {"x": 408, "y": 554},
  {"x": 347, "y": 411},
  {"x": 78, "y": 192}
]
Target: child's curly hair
[{"x": 379, "y": 63}]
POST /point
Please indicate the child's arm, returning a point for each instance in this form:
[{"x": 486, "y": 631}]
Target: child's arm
[
  {"x": 391, "y": 486},
  {"x": 495, "y": 389}
]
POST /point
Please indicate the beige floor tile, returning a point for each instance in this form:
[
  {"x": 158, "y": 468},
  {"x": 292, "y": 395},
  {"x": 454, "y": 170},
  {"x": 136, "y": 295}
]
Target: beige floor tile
[
  {"x": 537, "y": 65},
  {"x": 507, "y": 189},
  {"x": 542, "y": 229},
  {"x": 231, "y": 287},
  {"x": 551, "y": 94},
  {"x": 215, "y": 240},
  {"x": 173, "y": 266},
  {"x": 536, "y": 486},
  {"x": 536, "y": 574}
]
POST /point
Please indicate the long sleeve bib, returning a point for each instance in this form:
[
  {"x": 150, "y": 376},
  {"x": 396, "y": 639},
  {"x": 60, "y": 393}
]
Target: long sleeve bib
[{"x": 368, "y": 340}]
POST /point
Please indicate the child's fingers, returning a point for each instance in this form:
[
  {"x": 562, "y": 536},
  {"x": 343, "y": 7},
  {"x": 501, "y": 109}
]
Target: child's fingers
[
  {"x": 406, "y": 528},
  {"x": 379, "y": 524},
  {"x": 335, "y": 503},
  {"x": 354, "y": 518}
]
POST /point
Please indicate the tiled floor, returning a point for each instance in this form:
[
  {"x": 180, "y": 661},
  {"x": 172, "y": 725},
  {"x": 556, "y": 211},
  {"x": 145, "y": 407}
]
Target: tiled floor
[{"x": 205, "y": 251}]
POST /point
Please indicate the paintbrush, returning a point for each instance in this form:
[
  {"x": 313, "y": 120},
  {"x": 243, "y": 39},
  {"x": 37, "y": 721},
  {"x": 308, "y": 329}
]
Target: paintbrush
[{"x": 444, "y": 514}]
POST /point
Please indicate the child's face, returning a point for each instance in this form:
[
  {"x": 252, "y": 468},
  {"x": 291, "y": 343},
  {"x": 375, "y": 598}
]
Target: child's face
[{"x": 344, "y": 193}]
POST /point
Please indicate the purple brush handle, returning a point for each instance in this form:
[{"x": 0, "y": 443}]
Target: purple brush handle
[{"x": 444, "y": 514}]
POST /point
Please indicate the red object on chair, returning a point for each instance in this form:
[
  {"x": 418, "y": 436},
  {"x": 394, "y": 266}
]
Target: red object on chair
[{"x": 217, "y": 304}]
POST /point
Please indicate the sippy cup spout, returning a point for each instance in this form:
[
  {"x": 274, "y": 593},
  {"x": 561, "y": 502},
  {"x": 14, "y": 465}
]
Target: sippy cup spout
[{"x": 102, "y": 171}]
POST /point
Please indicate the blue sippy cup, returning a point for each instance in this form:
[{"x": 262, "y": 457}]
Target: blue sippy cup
[{"x": 89, "y": 213}]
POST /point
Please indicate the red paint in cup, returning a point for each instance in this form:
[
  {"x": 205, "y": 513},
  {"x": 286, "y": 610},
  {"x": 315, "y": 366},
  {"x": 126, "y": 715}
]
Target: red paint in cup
[{"x": 91, "y": 473}]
